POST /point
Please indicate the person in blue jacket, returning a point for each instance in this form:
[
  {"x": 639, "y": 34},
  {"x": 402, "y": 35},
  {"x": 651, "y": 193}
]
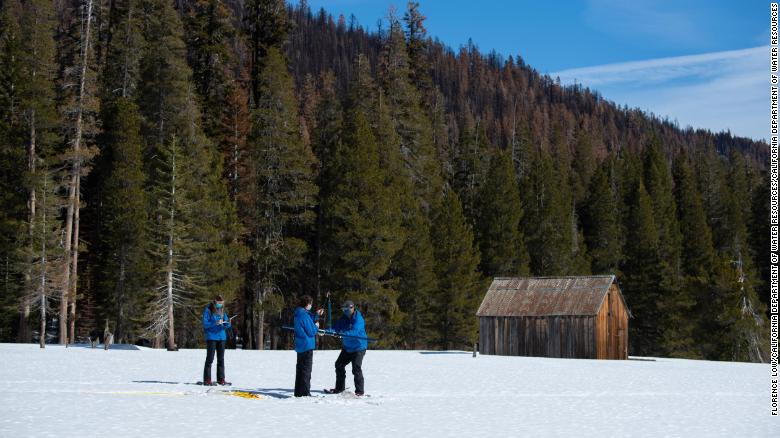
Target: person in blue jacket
[
  {"x": 353, "y": 348},
  {"x": 306, "y": 326},
  {"x": 215, "y": 321}
]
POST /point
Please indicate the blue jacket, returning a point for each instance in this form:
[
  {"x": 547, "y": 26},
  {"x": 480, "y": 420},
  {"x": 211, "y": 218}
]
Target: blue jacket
[
  {"x": 305, "y": 330},
  {"x": 353, "y": 326},
  {"x": 214, "y": 331}
]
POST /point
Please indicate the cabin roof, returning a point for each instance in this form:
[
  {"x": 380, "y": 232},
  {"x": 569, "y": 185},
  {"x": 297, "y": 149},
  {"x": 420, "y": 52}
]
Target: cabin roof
[{"x": 546, "y": 296}]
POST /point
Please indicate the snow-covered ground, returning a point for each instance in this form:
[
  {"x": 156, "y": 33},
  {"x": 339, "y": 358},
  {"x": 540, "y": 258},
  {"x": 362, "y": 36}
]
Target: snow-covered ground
[{"x": 81, "y": 392}]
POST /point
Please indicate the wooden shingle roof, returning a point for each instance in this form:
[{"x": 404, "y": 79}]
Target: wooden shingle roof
[{"x": 545, "y": 296}]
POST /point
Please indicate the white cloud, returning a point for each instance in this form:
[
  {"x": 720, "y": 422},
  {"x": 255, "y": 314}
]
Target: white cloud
[{"x": 717, "y": 91}]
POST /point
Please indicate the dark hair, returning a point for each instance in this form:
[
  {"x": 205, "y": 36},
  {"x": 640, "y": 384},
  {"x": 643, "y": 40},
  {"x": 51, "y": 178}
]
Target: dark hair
[
  {"x": 212, "y": 307},
  {"x": 305, "y": 301}
]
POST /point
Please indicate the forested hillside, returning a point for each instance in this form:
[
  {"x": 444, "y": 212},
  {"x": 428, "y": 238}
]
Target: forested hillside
[{"x": 156, "y": 153}]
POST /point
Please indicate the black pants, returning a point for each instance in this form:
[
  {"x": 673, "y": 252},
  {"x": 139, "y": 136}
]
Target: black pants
[
  {"x": 303, "y": 374},
  {"x": 211, "y": 346},
  {"x": 341, "y": 373}
]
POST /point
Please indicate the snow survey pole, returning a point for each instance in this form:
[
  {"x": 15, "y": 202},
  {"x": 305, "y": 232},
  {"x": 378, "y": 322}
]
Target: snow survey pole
[
  {"x": 335, "y": 334},
  {"x": 327, "y": 295}
]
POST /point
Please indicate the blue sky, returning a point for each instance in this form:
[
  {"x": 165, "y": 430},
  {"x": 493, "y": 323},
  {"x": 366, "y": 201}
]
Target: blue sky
[{"x": 701, "y": 63}]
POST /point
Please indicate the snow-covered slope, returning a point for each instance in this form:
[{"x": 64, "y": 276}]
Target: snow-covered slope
[{"x": 81, "y": 392}]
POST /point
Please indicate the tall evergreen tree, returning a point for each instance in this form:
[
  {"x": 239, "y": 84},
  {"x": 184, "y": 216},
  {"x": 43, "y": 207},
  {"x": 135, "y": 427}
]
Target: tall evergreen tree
[
  {"x": 471, "y": 162},
  {"x": 417, "y": 48},
  {"x": 411, "y": 123},
  {"x": 460, "y": 284},
  {"x": 642, "y": 275},
  {"x": 44, "y": 258},
  {"x": 686, "y": 327},
  {"x": 547, "y": 218},
  {"x": 267, "y": 26},
  {"x": 37, "y": 123},
  {"x": 209, "y": 32},
  {"x": 601, "y": 221},
  {"x": 13, "y": 196},
  {"x": 498, "y": 232},
  {"x": 674, "y": 303},
  {"x": 412, "y": 268},
  {"x": 742, "y": 311},
  {"x": 281, "y": 188},
  {"x": 123, "y": 239},
  {"x": 362, "y": 221},
  {"x": 170, "y": 111},
  {"x": 415, "y": 268},
  {"x": 326, "y": 142}
]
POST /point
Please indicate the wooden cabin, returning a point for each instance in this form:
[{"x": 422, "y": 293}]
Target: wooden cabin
[{"x": 568, "y": 317}]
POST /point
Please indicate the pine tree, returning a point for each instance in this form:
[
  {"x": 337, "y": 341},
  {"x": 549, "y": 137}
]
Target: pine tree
[
  {"x": 37, "y": 124},
  {"x": 687, "y": 328},
  {"x": 601, "y": 221},
  {"x": 123, "y": 239},
  {"x": 583, "y": 166},
  {"x": 471, "y": 162},
  {"x": 414, "y": 267},
  {"x": 176, "y": 250},
  {"x": 362, "y": 221},
  {"x": 411, "y": 123},
  {"x": 13, "y": 197},
  {"x": 547, "y": 218},
  {"x": 417, "y": 48},
  {"x": 642, "y": 275},
  {"x": 267, "y": 26},
  {"x": 498, "y": 232},
  {"x": 121, "y": 71},
  {"x": 119, "y": 121},
  {"x": 326, "y": 141},
  {"x": 460, "y": 284},
  {"x": 169, "y": 109},
  {"x": 674, "y": 303},
  {"x": 742, "y": 311},
  {"x": 45, "y": 256},
  {"x": 209, "y": 32},
  {"x": 281, "y": 187}
]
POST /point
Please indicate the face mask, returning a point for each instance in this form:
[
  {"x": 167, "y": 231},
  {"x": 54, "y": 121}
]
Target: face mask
[
  {"x": 308, "y": 307},
  {"x": 347, "y": 311},
  {"x": 219, "y": 305}
]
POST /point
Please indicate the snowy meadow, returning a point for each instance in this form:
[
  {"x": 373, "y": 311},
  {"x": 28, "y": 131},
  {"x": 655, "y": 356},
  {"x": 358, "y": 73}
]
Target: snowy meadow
[{"x": 84, "y": 392}]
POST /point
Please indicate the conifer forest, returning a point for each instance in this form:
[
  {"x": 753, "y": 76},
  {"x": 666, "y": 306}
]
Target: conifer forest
[{"x": 157, "y": 153}]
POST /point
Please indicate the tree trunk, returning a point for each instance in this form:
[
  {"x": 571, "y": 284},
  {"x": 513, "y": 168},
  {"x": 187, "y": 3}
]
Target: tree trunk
[
  {"x": 42, "y": 341},
  {"x": 73, "y": 186},
  {"x": 171, "y": 343},
  {"x": 24, "y": 334},
  {"x": 119, "y": 329},
  {"x": 43, "y": 273},
  {"x": 74, "y": 271},
  {"x": 261, "y": 330},
  {"x": 169, "y": 269}
]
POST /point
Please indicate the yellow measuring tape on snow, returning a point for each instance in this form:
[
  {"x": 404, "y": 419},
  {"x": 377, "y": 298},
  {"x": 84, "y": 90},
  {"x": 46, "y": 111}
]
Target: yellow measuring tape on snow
[
  {"x": 243, "y": 394},
  {"x": 234, "y": 393}
]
